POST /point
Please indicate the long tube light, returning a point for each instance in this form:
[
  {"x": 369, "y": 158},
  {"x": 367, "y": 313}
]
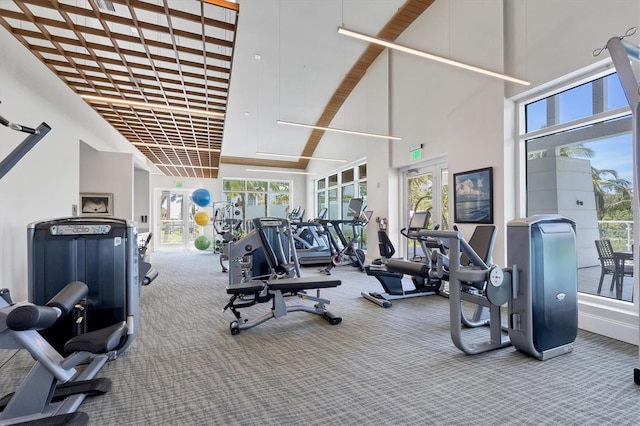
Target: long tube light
[
  {"x": 303, "y": 157},
  {"x": 146, "y": 105},
  {"x": 333, "y": 129},
  {"x": 426, "y": 55},
  {"x": 279, "y": 171}
]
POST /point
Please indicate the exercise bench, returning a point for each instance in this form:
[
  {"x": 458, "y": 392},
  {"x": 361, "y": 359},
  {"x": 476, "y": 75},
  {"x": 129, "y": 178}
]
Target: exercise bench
[
  {"x": 282, "y": 281},
  {"x": 253, "y": 292}
]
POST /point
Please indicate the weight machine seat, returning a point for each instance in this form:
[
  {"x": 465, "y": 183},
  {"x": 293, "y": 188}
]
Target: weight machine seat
[
  {"x": 249, "y": 287},
  {"x": 302, "y": 283},
  {"x": 99, "y": 341},
  {"x": 416, "y": 269}
]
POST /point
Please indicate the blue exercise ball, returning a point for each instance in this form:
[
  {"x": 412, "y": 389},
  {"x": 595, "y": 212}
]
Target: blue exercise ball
[{"x": 201, "y": 197}]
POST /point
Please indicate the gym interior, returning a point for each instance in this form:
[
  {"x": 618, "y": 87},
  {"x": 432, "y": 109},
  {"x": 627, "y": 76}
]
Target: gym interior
[{"x": 533, "y": 102}]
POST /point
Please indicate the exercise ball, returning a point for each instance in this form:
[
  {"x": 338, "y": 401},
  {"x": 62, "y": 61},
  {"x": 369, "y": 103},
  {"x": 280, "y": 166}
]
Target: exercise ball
[
  {"x": 201, "y": 218},
  {"x": 201, "y": 197},
  {"x": 202, "y": 242}
]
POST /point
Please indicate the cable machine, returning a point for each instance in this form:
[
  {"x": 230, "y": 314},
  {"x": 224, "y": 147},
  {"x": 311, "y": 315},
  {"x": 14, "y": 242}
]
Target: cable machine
[{"x": 621, "y": 51}]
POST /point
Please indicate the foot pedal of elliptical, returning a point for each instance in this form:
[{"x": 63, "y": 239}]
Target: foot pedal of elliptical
[
  {"x": 78, "y": 418},
  {"x": 92, "y": 387},
  {"x": 97, "y": 386}
]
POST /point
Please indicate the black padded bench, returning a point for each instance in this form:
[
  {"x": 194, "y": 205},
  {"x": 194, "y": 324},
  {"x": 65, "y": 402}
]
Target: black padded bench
[
  {"x": 302, "y": 283},
  {"x": 252, "y": 292}
]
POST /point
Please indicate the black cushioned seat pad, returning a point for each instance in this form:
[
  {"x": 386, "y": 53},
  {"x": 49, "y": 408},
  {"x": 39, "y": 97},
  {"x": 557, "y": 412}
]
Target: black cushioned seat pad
[
  {"x": 249, "y": 287},
  {"x": 98, "y": 341},
  {"x": 303, "y": 283}
]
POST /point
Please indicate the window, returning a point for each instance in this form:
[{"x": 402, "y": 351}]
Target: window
[
  {"x": 584, "y": 170},
  {"x": 257, "y": 198},
  {"x": 336, "y": 191}
]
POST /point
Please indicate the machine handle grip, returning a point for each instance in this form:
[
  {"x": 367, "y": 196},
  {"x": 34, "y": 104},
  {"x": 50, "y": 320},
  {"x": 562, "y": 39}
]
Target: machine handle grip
[
  {"x": 31, "y": 317},
  {"x": 67, "y": 298}
]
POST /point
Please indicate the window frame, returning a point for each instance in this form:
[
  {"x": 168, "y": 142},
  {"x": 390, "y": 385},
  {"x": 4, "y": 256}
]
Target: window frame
[{"x": 609, "y": 317}]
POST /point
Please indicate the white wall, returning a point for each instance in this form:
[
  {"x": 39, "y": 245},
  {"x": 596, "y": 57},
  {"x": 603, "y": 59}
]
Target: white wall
[{"x": 109, "y": 172}]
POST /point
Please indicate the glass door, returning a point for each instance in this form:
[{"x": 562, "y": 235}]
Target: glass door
[
  {"x": 175, "y": 228},
  {"x": 425, "y": 189}
]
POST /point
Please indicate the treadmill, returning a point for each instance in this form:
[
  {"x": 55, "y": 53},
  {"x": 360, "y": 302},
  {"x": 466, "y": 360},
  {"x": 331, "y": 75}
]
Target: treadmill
[{"x": 311, "y": 236}]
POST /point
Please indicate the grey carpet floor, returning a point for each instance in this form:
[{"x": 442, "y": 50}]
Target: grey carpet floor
[{"x": 379, "y": 366}]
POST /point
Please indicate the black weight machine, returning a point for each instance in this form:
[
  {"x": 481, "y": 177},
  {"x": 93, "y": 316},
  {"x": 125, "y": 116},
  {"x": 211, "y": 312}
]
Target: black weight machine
[
  {"x": 539, "y": 289},
  {"x": 263, "y": 268},
  {"x": 621, "y": 51},
  {"x": 54, "y": 388}
]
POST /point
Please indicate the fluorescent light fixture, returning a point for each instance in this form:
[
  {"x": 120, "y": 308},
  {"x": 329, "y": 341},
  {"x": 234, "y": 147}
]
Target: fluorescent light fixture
[
  {"x": 178, "y": 147},
  {"x": 333, "y": 129},
  {"x": 186, "y": 166},
  {"x": 117, "y": 101},
  {"x": 304, "y": 157},
  {"x": 279, "y": 171},
  {"x": 420, "y": 53}
]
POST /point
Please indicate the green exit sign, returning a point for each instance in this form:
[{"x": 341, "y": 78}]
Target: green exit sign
[{"x": 416, "y": 154}]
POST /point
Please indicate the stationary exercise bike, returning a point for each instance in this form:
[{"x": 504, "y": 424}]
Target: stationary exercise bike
[{"x": 390, "y": 272}]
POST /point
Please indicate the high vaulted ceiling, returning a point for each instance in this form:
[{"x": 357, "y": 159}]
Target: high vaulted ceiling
[
  {"x": 151, "y": 52},
  {"x": 288, "y": 62}
]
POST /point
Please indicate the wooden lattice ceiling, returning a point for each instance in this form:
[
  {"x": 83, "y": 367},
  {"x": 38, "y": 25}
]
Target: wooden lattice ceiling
[{"x": 169, "y": 52}]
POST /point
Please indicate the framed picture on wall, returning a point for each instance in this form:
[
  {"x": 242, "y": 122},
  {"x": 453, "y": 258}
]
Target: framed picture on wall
[
  {"x": 473, "y": 196},
  {"x": 96, "y": 204}
]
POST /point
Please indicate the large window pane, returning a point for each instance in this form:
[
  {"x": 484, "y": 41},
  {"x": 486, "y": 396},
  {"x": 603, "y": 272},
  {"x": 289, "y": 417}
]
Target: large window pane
[
  {"x": 575, "y": 103},
  {"x": 348, "y": 176},
  {"x": 234, "y": 185},
  {"x": 362, "y": 171},
  {"x": 257, "y": 198},
  {"x": 615, "y": 97},
  {"x": 257, "y": 185},
  {"x": 278, "y": 204},
  {"x": 444, "y": 224},
  {"x": 347, "y": 196},
  {"x": 536, "y": 115},
  {"x": 321, "y": 200},
  {"x": 586, "y": 174},
  {"x": 256, "y": 205},
  {"x": 333, "y": 204}
]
